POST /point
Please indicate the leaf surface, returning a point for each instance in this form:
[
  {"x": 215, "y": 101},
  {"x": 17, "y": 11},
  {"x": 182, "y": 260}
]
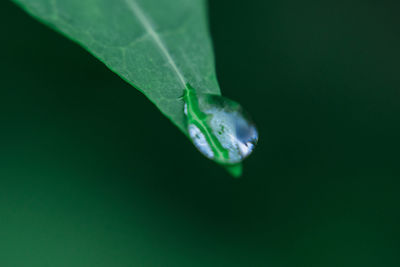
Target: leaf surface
[{"x": 157, "y": 46}]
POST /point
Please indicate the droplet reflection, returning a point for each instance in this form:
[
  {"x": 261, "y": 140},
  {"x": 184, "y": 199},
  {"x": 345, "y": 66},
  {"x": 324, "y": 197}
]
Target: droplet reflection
[{"x": 219, "y": 128}]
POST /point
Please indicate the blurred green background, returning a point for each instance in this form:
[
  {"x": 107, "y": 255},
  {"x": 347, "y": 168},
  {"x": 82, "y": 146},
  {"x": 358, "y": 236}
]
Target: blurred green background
[{"x": 91, "y": 173}]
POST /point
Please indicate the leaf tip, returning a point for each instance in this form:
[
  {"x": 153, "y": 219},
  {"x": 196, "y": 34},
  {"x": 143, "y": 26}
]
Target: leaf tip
[{"x": 235, "y": 170}]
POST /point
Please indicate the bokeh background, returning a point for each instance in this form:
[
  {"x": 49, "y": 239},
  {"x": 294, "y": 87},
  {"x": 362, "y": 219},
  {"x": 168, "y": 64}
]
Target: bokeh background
[{"x": 91, "y": 173}]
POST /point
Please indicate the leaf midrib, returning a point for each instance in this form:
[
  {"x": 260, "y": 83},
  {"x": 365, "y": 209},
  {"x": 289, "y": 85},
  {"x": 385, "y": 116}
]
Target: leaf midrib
[{"x": 149, "y": 28}]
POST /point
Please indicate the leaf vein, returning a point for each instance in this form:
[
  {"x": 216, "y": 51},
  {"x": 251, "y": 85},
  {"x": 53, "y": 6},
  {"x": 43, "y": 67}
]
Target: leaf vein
[{"x": 134, "y": 7}]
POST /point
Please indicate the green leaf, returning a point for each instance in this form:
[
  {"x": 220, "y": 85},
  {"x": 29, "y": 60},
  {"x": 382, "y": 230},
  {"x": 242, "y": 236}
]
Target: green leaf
[{"x": 157, "y": 46}]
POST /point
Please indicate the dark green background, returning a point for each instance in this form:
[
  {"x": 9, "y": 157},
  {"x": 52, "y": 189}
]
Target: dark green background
[{"x": 91, "y": 174}]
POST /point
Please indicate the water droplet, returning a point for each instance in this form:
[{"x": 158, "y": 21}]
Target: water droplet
[{"x": 219, "y": 127}]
